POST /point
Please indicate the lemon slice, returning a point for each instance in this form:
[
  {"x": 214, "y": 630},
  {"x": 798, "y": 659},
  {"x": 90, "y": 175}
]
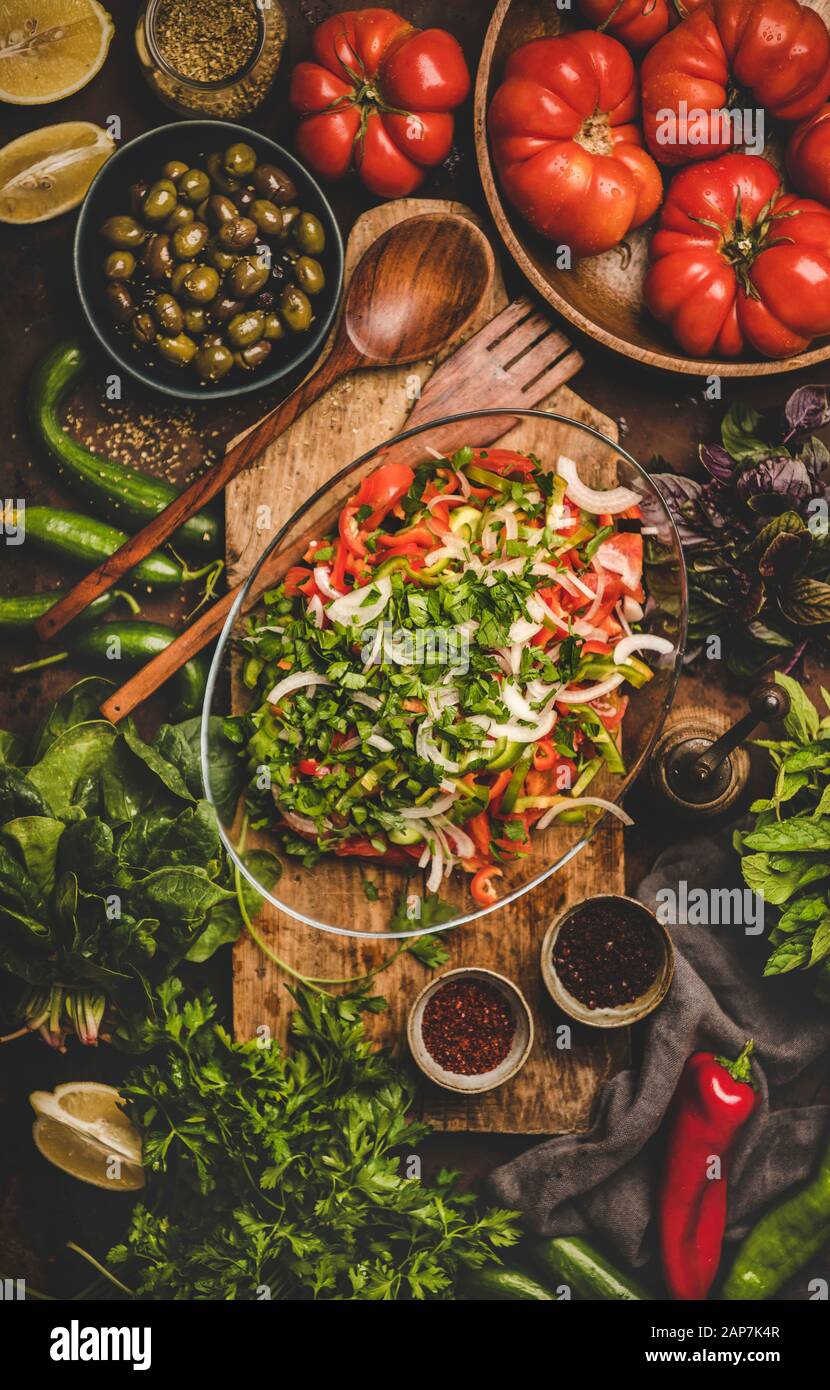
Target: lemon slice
[
  {"x": 48, "y": 171},
  {"x": 50, "y": 48},
  {"x": 82, "y": 1129}
]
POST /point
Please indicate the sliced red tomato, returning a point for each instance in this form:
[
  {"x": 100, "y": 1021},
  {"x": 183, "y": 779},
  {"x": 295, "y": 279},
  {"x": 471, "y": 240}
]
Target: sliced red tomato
[
  {"x": 544, "y": 755},
  {"x": 611, "y": 710},
  {"x": 483, "y": 888},
  {"x": 298, "y": 581},
  {"x": 622, "y": 553},
  {"x": 503, "y": 461},
  {"x": 364, "y": 849},
  {"x": 478, "y": 828},
  {"x": 383, "y": 489},
  {"x": 309, "y": 767}
]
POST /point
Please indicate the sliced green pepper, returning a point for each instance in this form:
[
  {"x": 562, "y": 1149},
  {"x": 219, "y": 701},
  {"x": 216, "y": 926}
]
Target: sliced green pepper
[{"x": 514, "y": 786}]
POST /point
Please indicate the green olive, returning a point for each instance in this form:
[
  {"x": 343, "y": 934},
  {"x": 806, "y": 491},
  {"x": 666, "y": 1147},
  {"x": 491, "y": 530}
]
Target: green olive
[
  {"x": 295, "y": 309},
  {"x": 201, "y": 284},
  {"x": 189, "y": 241},
  {"x": 121, "y": 302},
  {"x": 177, "y": 279},
  {"x": 219, "y": 175},
  {"x": 308, "y": 234},
  {"x": 238, "y": 234},
  {"x": 123, "y": 232},
  {"x": 248, "y": 358},
  {"x": 119, "y": 265},
  {"x": 181, "y": 216},
  {"x": 274, "y": 184},
  {"x": 245, "y": 328},
  {"x": 239, "y": 160},
  {"x": 220, "y": 258},
  {"x": 267, "y": 217},
  {"x": 213, "y": 340},
  {"x": 225, "y": 307},
  {"x": 157, "y": 256},
  {"x": 143, "y": 328},
  {"x": 214, "y": 361},
  {"x": 180, "y": 350},
  {"x": 195, "y": 319},
  {"x": 175, "y": 169},
  {"x": 248, "y": 275},
  {"x": 309, "y": 275},
  {"x": 220, "y": 209},
  {"x": 194, "y": 185},
  {"x": 289, "y": 217},
  {"x": 274, "y": 329},
  {"x": 160, "y": 201},
  {"x": 168, "y": 314}
]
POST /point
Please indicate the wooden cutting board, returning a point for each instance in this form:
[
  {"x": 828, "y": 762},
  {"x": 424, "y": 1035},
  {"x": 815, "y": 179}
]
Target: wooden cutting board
[{"x": 556, "y": 1089}]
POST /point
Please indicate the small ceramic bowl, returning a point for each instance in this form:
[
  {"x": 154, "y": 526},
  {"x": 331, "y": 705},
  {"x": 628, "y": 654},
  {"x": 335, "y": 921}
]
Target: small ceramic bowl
[
  {"x": 483, "y": 1081},
  {"x": 621, "y": 1015}
]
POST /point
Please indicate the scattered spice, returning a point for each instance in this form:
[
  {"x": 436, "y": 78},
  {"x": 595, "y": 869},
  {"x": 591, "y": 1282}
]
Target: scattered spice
[
  {"x": 468, "y": 1027},
  {"x": 606, "y": 955}
]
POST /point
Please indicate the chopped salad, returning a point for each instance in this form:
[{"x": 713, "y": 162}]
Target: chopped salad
[{"x": 450, "y": 669}]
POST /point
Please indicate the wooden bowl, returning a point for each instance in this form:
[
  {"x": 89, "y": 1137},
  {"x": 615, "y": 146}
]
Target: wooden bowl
[{"x": 601, "y": 295}]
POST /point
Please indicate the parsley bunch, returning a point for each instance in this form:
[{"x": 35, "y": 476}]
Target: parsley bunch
[{"x": 285, "y": 1176}]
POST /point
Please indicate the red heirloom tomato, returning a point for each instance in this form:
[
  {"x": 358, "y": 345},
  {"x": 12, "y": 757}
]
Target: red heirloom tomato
[
  {"x": 379, "y": 98},
  {"x": 568, "y": 155},
  {"x": 777, "y": 52},
  {"x": 737, "y": 262},
  {"x": 808, "y": 156},
  {"x": 636, "y": 23}
]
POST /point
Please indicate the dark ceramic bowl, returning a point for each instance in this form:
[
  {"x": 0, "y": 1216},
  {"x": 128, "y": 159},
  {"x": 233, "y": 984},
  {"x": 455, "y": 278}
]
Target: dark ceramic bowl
[{"x": 108, "y": 195}]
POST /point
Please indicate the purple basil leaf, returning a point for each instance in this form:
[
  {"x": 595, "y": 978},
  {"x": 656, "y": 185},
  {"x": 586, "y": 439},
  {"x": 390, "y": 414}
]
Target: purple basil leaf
[
  {"x": 807, "y": 409},
  {"x": 680, "y": 496},
  {"x": 775, "y": 484},
  {"x": 815, "y": 456},
  {"x": 718, "y": 462},
  {"x": 716, "y": 502}
]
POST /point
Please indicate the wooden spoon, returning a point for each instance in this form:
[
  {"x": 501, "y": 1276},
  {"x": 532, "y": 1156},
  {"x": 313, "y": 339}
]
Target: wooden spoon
[{"x": 413, "y": 292}]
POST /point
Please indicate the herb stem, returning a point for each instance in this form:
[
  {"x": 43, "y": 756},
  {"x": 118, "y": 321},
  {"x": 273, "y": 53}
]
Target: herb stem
[{"x": 102, "y": 1269}]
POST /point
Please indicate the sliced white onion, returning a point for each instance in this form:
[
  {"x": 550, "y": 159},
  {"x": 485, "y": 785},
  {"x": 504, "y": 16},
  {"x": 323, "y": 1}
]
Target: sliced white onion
[
  {"x": 543, "y": 722},
  {"x": 632, "y": 609},
  {"x": 348, "y": 744},
  {"x": 373, "y": 658},
  {"x": 357, "y": 607},
  {"x": 572, "y": 803},
  {"x": 591, "y": 692},
  {"x": 436, "y": 871},
  {"x": 521, "y": 631},
  {"x": 424, "y": 859},
  {"x": 428, "y": 749},
  {"x": 621, "y": 619},
  {"x": 303, "y": 825},
  {"x": 644, "y": 642},
  {"x": 515, "y": 565},
  {"x": 464, "y": 847},
  {"x": 490, "y": 536},
  {"x": 591, "y": 613},
  {"x": 516, "y": 703},
  {"x": 315, "y": 610},
  {"x": 444, "y": 497},
  {"x": 360, "y": 697},
  {"x": 560, "y": 519},
  {"x": 322, "y": 578},
  {"x": 435, "y": 808},
  {"x": 612, "y": 500},
  {"x": 382, "y": 744},
  {"x": 296, "y": 681}
]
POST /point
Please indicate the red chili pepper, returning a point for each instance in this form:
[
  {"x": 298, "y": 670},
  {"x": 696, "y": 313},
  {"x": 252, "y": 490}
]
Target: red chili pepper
[
  {"x": 483, "y": 888},
  {"x": 349, "y": 533},
  {"x": 478, "y": 828},
  {"x": 714, "y": 1098}
]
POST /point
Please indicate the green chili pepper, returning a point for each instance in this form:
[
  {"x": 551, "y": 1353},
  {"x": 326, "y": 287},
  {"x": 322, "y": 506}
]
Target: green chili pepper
[
  {"x": 488, "y": 479},
  {"x": 783, "y": 1241},
  {"x": 514, "y": 786}
]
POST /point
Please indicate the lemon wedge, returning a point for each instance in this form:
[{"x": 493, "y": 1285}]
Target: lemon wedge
[
  {"x": 83, "y": 1130},
  {"x": 50, "y": 48},
  {"x": 48, "y": 171}
]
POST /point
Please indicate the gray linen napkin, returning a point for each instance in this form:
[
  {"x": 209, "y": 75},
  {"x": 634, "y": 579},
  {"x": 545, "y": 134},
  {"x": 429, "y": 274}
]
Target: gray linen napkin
[{"x": 602, "y": 1183}]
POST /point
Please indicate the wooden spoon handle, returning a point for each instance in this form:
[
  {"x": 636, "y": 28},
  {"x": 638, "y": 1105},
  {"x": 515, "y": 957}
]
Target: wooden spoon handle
[{"x": 342, "y": 359}]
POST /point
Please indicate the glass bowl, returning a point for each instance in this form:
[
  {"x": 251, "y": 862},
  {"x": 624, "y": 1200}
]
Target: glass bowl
[{"x": 333, "y": 895}]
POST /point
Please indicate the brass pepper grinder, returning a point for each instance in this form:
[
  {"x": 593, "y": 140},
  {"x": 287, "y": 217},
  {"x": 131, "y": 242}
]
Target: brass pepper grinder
[{"x": 699, "y": 765}]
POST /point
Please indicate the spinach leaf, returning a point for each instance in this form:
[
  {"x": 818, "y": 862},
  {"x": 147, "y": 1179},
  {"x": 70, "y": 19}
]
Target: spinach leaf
[
  {"x": 180, "y": 745},
  {"x": 12, "y": 748},
  {"x": 35, "y": 840},
  {"x": 167, "y": 773},
  {"x": 18, "y": 795},
  {"x": 78, "y": 705},
  {"x": 74, "y": 755}
]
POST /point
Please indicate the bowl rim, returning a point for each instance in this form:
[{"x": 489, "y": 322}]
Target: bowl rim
[
  {"x": 227, "y": 131},
  {"x": 430, "y": 1069},
  {"x": 615, "y": 1016},
  {"x": 514, "y": 413},
  {"x": 666, "y": 360}
]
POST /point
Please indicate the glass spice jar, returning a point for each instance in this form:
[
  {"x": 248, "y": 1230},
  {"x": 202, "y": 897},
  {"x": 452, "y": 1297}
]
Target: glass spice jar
[{"x": 215, "y": 58}]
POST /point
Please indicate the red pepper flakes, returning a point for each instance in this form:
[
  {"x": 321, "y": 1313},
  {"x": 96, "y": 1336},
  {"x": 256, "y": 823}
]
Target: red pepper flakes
[{"x": 468, "y": 1027}]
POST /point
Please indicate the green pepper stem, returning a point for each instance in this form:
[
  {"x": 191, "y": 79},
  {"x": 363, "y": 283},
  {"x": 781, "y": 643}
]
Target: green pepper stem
[{"x": 741, "y": 1068}]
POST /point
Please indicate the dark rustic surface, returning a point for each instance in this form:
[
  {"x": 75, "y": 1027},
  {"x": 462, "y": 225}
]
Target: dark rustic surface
[{"x": 658, "y": 414}]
